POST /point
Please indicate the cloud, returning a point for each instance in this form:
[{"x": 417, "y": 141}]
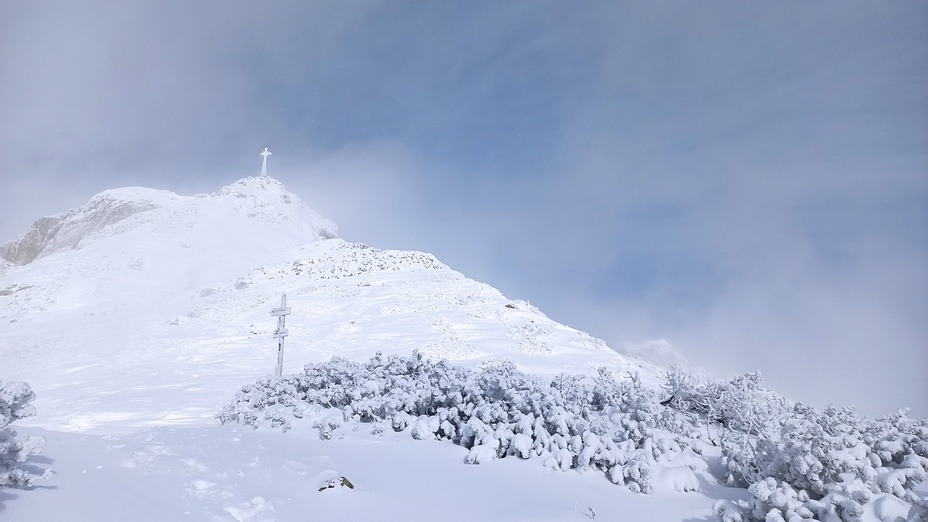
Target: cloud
[{"x": 743, "y": 180}]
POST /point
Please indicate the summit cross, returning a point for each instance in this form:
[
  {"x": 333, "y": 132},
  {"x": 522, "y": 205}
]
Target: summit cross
[{"x": 264, "y": 154}]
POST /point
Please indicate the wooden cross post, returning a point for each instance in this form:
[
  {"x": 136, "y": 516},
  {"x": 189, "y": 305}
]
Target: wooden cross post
[{"x": 281, "y": 332}]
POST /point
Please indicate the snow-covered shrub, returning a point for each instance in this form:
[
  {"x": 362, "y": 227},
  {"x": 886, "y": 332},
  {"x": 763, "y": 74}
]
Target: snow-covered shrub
[
  {"x": 728, "y": 511},
  {"x": 742, "y": 404},
  {"x": 774, "y": 500},
  {"x": 827, "y": 464},
  {"x": 894, "y": 437},
  {"x": 797, "y": 462},
  {"x": 16, "y": 403},
  {"x": 609, "y": 424}
]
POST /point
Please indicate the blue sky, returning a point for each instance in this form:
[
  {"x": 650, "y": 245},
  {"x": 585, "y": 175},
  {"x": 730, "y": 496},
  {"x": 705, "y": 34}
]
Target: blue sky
[{"x": 746, "y": 180}]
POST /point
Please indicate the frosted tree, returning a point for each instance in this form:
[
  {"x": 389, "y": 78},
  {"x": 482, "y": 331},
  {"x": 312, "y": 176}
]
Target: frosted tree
[{"x": 16, "y": 403}]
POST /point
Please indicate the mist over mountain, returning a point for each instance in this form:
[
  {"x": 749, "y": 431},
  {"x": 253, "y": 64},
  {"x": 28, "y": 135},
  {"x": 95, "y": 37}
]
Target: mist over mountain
[
  {"x": 146, "y": 291},
  {"x": 263, "y": 200}
]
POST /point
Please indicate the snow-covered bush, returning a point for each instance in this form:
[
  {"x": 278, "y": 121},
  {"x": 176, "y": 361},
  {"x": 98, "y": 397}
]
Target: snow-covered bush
[
  {"x": 15, "y": 403},
  {"x": 610, "y": 424},
  {"x": 796, "y": 462},
  {"x": 741, "y": 404},
  {"x": 828, "y": 465}
]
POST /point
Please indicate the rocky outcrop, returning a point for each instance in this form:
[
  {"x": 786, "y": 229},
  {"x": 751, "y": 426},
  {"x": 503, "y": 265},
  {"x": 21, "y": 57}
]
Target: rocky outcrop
[{"x": 65, "y": 231}]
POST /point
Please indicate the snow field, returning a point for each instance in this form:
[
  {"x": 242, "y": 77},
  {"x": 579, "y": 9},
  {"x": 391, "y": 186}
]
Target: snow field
[
  {"x": 190, "y": 345},
  {"x": 229, "y": 473}
]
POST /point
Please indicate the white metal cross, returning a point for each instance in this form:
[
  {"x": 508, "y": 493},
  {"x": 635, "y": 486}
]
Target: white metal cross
[{"x": 264, "y": 154}]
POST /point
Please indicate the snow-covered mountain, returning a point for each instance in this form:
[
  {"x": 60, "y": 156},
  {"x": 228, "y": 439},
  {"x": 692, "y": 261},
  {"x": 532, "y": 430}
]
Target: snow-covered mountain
[
  {"x": 138, "y": 317},
  {"x": 260, "y": 204},
  {"x": 164, "y": 300}
]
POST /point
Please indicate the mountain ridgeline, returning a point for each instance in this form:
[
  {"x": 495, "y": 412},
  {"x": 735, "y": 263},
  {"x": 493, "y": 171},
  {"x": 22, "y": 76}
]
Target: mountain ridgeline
[
  {"x": 264, "y": 197},
  {"x": 196, "y": 276}
]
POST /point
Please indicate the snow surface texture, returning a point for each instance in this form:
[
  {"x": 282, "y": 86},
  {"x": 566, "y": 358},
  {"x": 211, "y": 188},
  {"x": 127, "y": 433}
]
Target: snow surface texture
[{"x": 138, "y": 316}]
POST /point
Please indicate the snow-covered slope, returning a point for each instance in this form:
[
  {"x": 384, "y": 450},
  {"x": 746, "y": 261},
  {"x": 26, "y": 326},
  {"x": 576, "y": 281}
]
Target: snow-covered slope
[
  {"x": 247, "y": 202},
  {"x": 163, "y": 301}
]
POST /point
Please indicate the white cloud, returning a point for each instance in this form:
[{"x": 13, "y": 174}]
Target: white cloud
[{"x": 722, "y": 176}]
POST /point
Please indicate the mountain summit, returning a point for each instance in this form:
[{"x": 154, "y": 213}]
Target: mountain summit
[
  {"x": 165, "y": 300},
  {"x": 256, "y": 199}
]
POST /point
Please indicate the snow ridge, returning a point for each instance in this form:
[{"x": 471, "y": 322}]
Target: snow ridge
[
  {"x": 254, "y": 198},
  {"x": 267, "y": 197},
  {"x": 67, "y": 230}
]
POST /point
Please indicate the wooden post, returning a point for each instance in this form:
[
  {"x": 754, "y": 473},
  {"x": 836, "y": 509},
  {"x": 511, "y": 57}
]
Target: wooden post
[{"x": 281, "y": 332}]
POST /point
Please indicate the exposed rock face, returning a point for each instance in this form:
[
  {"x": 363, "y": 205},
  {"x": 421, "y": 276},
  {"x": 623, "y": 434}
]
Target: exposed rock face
[
  {"x": 66, "y": 230},
  {"x": 4, "y": 266},
  {"x": 260, "y": 199}
]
